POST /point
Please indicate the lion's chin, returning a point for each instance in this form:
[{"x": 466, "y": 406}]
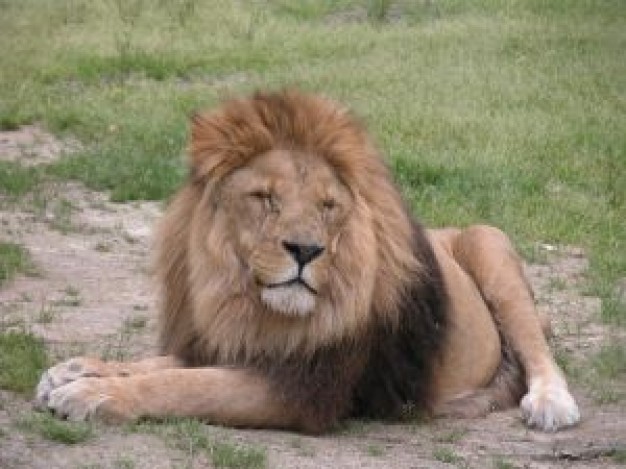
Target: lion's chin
[{"x": 292, "y": 300}]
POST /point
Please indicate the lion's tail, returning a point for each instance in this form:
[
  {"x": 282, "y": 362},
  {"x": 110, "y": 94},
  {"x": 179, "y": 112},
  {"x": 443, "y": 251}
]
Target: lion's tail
[{"x": 504, "y": 391}]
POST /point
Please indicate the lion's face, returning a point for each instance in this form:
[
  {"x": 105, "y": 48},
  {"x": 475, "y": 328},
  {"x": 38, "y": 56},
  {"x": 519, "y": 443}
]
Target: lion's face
[{"x": 284, "y": 212}]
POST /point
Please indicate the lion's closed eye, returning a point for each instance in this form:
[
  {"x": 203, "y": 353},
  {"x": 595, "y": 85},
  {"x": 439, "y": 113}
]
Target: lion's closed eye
[
  {"x": 265, "y": 197},
  {"x": 329, "y": 204},
  {"x": 261, "y": 194},
  {"x": 330, "y": 209}
]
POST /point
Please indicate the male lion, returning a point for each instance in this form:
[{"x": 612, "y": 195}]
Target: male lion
[{"x": 298, "y": 290}]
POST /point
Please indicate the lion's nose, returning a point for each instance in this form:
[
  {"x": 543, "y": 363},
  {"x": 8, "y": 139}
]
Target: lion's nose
[{"x": 303, "y": 253}]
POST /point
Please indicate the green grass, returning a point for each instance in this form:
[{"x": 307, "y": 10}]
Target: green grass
[
  {"x": 505, "y": 112},
  {"x": 53, "y": 429},
  {"x": 501, "y": 463},
  {"x": 192, "y": 436},
  {"x": 135, "y": 323},
  {"x": 620, "y": 456},
  {"x": 448, "y": 456},
  {"x": 183, "y": 433},
  {"x": 228, "y": 455},
  {"x": 22, "y": 360},
  {"x": 22, "y": 355},
  {"x": 603, "y": 373},
  {"x": 16, "y": 180},
  {"x": 125, "y": 462},
  {"x": 14, "y": 259},
  {"x": 610, "y": 362},
  {"x": 606, "y": 375},
  {"x": 375, "y": 450}
]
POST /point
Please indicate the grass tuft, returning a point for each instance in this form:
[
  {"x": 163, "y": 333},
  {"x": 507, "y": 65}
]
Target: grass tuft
[
  {"x": 53, "y": 429},
  {"x": 16, "y": 180},
  {"x": 14, "y": 259},
  {"x": 446, "y": 455},
  {"x": 610, "y": 362},
  {"x": 375, "y": 451},
  {"x": 228, "y": 455},
  {"x": 22, "y": 360},
  {"x": 191, "y": 435},
  {"x": 619, "y": 456},
  {"x": 500, "y": 463},
  {"x": 603, "y": 374}
]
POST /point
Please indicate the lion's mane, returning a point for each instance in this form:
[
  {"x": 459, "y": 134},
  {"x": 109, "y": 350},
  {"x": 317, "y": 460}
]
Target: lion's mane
[{"x": 372, "y": 351}]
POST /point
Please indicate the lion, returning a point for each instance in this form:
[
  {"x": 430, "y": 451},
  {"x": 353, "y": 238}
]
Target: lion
[{"x": 298, "y": 290}]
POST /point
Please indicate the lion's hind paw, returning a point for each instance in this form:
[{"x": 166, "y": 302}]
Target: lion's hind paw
[{"x": 549, "y": 406}]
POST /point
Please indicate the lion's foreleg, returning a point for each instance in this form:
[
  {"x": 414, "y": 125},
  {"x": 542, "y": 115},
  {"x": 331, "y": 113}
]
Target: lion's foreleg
[
  {"x": 233, "y": 397},
  {"x": 488, "y": 256}
]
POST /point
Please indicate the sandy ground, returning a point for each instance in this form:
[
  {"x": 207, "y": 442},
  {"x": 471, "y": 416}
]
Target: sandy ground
[{"x": 94, "y": 294}]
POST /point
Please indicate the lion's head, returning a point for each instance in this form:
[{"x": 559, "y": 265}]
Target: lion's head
[{"x": 288, "y": 235}]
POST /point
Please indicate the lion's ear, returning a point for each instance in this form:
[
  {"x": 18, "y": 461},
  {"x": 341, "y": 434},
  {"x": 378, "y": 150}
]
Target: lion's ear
[{"x": 206, "y": 146}]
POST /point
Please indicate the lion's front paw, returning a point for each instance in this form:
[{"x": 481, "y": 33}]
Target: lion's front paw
[
  {"x": 78, "y": 400},
  {"x": 89, "y": 398},
  {"x": 549, "y": 406},
  {"x": 64, "y": 373}
]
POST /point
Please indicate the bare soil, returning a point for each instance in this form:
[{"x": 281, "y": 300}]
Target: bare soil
[
  {"x": 31, "y": 145},
  {"x": 94, "y": 295}
]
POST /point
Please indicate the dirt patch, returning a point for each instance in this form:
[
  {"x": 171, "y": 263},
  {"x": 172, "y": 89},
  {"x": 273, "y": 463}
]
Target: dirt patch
[
  {"x": 92, "y": 262},
  {"x": 31, "y": 145},
  {"x": 575, "y": 317},
  {"x": 94, "y": 295}
]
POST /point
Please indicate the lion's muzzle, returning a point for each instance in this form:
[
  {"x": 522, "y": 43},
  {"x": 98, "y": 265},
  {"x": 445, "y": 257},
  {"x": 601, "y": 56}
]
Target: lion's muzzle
[{"x": 296, "y": 292}]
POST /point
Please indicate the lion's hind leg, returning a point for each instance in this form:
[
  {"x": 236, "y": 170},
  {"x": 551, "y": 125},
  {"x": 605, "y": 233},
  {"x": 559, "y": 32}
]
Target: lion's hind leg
[
  {"x": 487, "y": 255},
  {"x": 504, "y": 391}
]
